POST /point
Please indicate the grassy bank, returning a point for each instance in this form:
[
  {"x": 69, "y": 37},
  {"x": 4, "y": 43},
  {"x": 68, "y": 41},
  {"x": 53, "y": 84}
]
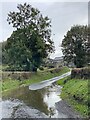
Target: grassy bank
[
  {"x": 8, "y": 84},
  {"x": 75, "y": 91}
]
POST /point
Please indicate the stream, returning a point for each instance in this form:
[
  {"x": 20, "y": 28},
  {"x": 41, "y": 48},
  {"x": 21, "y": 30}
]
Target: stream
[
  {"x": 40, "y": 100},
  {"x": 25, "y": 103}
]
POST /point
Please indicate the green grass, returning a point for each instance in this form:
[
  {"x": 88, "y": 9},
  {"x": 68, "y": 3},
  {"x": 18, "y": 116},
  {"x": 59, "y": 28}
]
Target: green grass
[
  {"x": 63, "y": 80},
  {"x": 0, "y": 67},
  {"x": 9, "y": 84},
  {"x": 3, "y": 67},
  {"x": 75, "y": 91}
]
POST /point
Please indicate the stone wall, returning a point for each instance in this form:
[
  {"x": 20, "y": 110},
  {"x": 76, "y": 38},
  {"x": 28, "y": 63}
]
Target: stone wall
[{"x": 16, "y": 75}]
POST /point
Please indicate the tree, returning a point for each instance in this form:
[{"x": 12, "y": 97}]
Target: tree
[
  {"x": 4, "y": 53},
  {"x": 88, "y": 46},
  {"x": 74, "y": 45},
  {"x": 31, "y": 40}
]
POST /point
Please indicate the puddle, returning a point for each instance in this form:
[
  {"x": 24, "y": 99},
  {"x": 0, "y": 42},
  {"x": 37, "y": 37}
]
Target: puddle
[
  {"x": 41, "y": 100},
  {"x": 31, "y": 103}
]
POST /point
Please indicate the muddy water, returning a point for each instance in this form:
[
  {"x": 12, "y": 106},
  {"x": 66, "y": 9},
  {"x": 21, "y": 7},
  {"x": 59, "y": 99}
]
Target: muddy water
[{"x": 26, "y": 103}]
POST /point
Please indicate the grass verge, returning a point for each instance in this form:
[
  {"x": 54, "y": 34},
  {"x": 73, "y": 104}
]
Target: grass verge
[
  {"x": 9, "y": 84},
  {"x": 75, "y": 91}
]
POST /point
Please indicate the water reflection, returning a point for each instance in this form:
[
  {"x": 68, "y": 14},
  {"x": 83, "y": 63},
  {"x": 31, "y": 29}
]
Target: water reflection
[{"x": 43, "y": 100}]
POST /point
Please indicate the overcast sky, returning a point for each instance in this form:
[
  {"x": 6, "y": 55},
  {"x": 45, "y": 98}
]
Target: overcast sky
[{"x": 63, "y": 15}]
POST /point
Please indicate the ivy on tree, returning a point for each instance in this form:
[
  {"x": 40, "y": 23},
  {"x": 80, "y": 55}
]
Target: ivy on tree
[{"x": 31, "y": 41}]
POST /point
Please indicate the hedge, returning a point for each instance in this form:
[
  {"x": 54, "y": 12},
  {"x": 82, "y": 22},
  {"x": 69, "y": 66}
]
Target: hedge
[{"x": 81, "y": 73}]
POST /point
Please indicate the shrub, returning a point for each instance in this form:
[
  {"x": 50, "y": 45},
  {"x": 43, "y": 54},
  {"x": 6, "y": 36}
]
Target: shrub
[
  {"x": 57, "y": 70},
  {"x": 41, "y": 68},
  {"x": 81, "y": 73}
]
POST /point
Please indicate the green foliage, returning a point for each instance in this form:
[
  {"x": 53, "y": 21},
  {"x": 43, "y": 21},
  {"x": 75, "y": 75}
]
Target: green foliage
[
  {"x": 62, "y": 69},
  {"x": 4, "y": 53},
  {"x": 31, "y": 42},
  {"x": 81, "y": 73},
  {"x": 75, "y": 91},
  {"x": 41, "y": 68},
  {"x": 74, "y": 45},
  {"x": 8, "y": 83},
  {"x": 63, "y": 81}
]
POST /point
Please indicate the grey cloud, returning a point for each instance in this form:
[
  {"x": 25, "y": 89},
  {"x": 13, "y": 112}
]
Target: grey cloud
[{"x": 62, "y": 14}]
